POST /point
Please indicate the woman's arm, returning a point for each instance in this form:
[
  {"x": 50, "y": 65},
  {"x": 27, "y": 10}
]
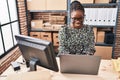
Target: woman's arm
[
  {"x": 90, "y": 49},
  {"x": 62, "y": 41}
]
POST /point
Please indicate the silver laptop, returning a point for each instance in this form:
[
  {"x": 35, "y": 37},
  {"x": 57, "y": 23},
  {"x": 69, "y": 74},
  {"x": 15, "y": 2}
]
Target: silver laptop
[{"x": 80, "y": 64}]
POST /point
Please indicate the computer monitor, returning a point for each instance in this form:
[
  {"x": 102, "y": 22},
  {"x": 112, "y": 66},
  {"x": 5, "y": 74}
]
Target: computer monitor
[{"x": 37, "y": 52}]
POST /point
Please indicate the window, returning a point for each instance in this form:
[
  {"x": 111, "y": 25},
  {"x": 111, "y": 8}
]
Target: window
[{"x": 9, "y": 26}]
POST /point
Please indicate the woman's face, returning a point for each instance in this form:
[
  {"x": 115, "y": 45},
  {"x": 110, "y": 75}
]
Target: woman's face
[{"x": 77, "y": 18}]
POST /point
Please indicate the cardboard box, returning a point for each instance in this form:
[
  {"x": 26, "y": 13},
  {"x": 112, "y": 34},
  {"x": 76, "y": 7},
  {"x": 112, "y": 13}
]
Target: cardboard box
[
  {"x": 37, "y": 24},
  {"x": 57, "y": 27},
  {"x": 56, "y": 42},
  {"x": 85, "y": 1},
  {"x": 100, "y": 36},
  {"x": 102, "y": 1},
  {"x": 56, "y": 4},
  {"x": 35, "y": 34},
  {"x": 36, "y": 4},
  {"x": 57, "y": 19},
  {"x": 55, "y": 39},
  {"x": 47, "y": 26},
  {"x": 46, "y": 36},
  {"x": 104, "y": 51}
]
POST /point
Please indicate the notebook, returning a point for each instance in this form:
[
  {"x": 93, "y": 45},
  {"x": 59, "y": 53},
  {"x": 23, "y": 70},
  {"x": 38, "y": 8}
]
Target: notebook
[{"x": 80, "y": 64}]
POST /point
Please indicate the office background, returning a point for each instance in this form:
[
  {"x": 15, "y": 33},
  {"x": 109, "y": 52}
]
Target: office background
[{"x": 23, "y": 17}]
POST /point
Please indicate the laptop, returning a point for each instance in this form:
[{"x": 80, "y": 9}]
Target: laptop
[{"x": 80, "y": 64}]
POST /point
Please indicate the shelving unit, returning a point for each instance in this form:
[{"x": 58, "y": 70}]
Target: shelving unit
[
  {"x": 43, "y": 30},
  {"x": 46, "y": 10},
  {"x": 90, "y": 5},
  {"x": 103, "y": 44},
  {"x": 100, "y": 5},
  {"x": 100, "y": 46},
  {"x": 101, "y": 26}
]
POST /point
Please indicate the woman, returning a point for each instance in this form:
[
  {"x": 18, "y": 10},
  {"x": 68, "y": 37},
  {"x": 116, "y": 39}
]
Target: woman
[{"x": 77, "y": 38}]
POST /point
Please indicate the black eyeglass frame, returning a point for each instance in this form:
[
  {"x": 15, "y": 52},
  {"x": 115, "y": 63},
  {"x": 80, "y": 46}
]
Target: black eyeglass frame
[{"x": 78, "y": 19}]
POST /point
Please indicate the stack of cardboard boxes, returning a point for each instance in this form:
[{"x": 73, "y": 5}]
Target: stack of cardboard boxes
[
  {"x": 104, "y": 51},
  {"x": 47, "y": 4},
  {"x": 54, "y": 23},
  {"x": 52, "y": 37}
]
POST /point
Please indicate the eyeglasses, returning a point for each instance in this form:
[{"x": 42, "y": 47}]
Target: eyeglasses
[{"x": 78, "y": 19}]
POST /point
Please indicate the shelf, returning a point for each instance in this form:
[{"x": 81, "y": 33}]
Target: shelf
[
  {"x": 102, "y": 26},
  {"x": 102, "y": 44},
  {"x": 43, "y": 30},
  {"x": 48, "y": 10},
  {"x": 100, "y": 5}
]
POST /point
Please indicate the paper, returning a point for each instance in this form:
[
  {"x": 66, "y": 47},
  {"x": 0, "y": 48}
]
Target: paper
[{"x": 116, "y": 64}]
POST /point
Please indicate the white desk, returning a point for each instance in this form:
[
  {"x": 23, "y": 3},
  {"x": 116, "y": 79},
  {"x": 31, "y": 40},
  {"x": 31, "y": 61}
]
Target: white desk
[{"x": 106, "y": 72}]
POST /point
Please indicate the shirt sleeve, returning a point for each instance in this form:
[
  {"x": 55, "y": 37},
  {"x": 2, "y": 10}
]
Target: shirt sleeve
[
  {"x": 90, "y": 49},
  {"x": 62, "y": 37}
]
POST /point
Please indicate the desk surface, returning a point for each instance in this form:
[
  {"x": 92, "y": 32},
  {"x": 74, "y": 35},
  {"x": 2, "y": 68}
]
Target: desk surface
[{"x": 106, "y": 72}]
